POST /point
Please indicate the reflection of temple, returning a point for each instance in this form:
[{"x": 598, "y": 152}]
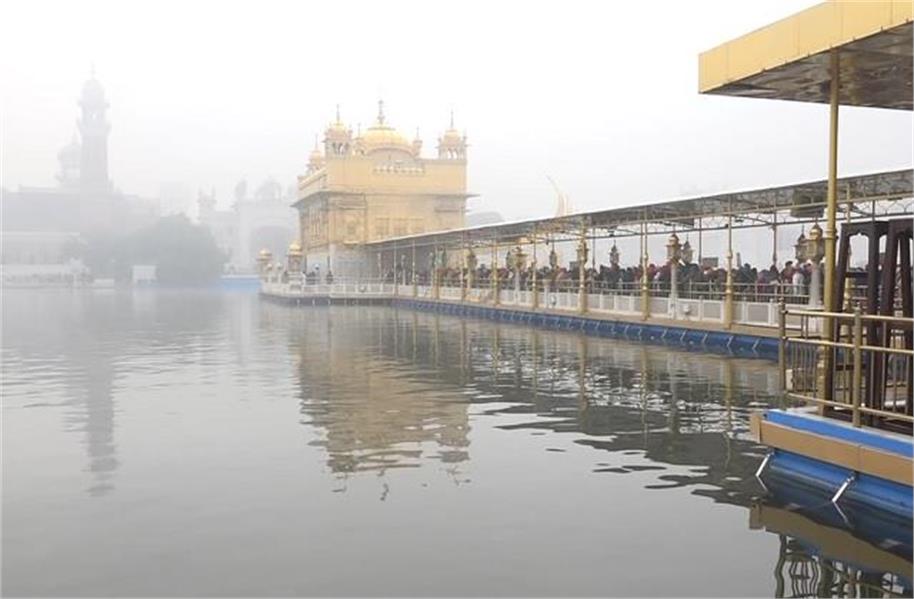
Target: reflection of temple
[
  {"x": 376, "y": 185},
  {"x": 254, "y": 222},
  {"x": 40, "y": 222},
  {"x": 372, "y": 417},
  {"x": 684, "y": 415}
]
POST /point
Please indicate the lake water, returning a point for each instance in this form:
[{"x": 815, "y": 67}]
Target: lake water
[{"x": 197, "y": 443}]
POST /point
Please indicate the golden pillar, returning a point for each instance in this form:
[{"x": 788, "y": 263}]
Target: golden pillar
[
  {"x": 495, "y": 272},
  {"x": 464, "y": 279},
  {"x": 831, "y": 208},
  {"x": 534, "y": 298},
  {"x": 436, "y": 275},
  {"x": 582, "y": 271},
  {"x": 645, "y": 289},
  {"x": 415, "y": 278},
  {"x": 728, "y": 289},
  {"x": 396, "y": 274}
]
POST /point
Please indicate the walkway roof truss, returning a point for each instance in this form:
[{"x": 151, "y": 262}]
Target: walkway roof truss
[{"x": 877, "y": 195}]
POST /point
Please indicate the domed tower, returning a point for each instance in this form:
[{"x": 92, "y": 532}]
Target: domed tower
[
  {"x": 93, "y": 129},
  {"x": 69, "y": 159},
  {"x": 382, "y": 136},
  {"x": 452, "y": 145},
  {"x": 337, "y": 138},
  {"x": 315, "y": 159}
]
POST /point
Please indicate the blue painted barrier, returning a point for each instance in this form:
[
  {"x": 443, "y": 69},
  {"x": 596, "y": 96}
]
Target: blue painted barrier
[{"x": 714, "y": 341}]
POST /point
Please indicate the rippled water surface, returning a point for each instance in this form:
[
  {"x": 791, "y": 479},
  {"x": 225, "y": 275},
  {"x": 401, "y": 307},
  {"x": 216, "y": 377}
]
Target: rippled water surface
[{"x": 192, "y": 443}]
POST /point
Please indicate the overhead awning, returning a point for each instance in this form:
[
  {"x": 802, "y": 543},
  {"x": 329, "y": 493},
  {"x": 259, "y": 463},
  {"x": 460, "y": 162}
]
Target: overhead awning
[
  {"x": 789, "y": 59},
  {"x": 875, "y": 195}
]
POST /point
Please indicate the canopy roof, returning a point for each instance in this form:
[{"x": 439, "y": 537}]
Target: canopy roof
[
  {"x": 789, "y": 59},
  {"x": 875, "y": 195}
]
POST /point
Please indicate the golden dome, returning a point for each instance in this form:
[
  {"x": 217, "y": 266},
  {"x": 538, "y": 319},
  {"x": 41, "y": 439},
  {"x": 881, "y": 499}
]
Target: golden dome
[
  {"x": 382, "y": 136},
  {"x": 265, "y": 253},
  {"x": 294, "y": 248}
]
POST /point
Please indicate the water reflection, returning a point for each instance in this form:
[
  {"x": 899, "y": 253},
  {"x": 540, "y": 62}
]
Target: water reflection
[
  {"x": 685, "y": 415},
  {"x": 380, "y": 404},
  {"x": 215, "y": 427},
  {"x": 80, "y": 347},
  {"x": 373, "y": 414}
]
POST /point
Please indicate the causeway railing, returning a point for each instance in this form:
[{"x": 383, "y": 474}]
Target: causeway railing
[{"x": 863, "y": 374}]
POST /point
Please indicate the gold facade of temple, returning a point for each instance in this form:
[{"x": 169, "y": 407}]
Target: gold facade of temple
[{"x": 376, "y": 185}]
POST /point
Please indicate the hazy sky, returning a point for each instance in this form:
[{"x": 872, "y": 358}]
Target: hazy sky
[{"x": 601, "y": 96}]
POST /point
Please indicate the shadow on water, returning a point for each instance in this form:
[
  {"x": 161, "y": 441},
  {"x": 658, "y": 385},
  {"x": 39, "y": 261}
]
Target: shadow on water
[{"x": 379, "y": 405}]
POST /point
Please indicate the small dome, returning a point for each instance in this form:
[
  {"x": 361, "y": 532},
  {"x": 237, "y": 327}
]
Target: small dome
[
  {"x": 70, "y": 154},
  {"x": 265, "y": 254},
  {"x": 294, "y": 248},
  {"x": 315, "y": 158},
  {"x": 815, "y": 232},
  {"x": 452, "y": 135}
]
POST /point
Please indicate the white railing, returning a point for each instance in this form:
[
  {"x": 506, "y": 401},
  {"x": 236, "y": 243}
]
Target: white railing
[{"x": 600, "y": 301}]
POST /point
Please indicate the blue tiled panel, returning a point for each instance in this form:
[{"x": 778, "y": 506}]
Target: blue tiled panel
[
  {"x": 713, "y": 341},
  {"x": 841, "y": 430}
]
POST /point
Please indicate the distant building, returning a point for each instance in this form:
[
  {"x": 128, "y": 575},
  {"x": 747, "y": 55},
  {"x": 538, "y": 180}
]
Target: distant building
[
  {"x": 373, "y": 186},
  {"x": 40, "y": 223},
  {"x": 265, "y": 220}
]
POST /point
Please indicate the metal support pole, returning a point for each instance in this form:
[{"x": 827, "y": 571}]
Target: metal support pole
[
  {"x": 464, "y": 276},
  {"x": 534, "y": 299},
  {"x": 436, "y": 290},
  {"x": 396, "y": 274},
  {"x": 645, "y": 289},
  {"x": 494, "y": 272},
  {"x": 415, "y": 277},
  {"x": 858, "y": 365},
  {"x": 582, "y": 272},
  {"x": 728, "y": 290},
  {"x": 782, "y": 351},
  {"x": 700, "y": 256},
  {"x": 774, "y": 239},
  {"x": 831, "y": 211}
]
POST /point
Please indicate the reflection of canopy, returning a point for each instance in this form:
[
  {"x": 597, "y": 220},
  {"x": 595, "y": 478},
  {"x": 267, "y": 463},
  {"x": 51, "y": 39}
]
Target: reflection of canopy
[{"x": 873, "y": 195}]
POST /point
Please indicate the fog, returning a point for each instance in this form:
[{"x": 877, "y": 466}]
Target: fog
[{"x": 601, "y": 97}]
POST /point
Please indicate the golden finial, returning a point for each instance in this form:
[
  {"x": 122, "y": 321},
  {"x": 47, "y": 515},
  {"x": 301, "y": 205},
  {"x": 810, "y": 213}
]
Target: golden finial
[
  {"x": 338, "y": 113},
  {"x": 380, "y": 112}
]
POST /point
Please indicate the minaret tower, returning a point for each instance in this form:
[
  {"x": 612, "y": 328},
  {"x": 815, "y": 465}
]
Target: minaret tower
[
  {"x": 452, "y": 145},
  {"x": 93, "y": 130}
]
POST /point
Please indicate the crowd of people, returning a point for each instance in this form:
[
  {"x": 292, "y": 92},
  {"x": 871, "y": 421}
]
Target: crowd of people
[
  {"x": 793, "y": 280},
  {"x": 691, "y": 279}
]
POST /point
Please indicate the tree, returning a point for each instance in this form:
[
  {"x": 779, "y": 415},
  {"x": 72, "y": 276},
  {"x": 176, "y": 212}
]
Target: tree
[{"x": 184, "y": 253}]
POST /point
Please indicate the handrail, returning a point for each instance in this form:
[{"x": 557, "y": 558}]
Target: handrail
[{"x": 873, "y": 369}]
